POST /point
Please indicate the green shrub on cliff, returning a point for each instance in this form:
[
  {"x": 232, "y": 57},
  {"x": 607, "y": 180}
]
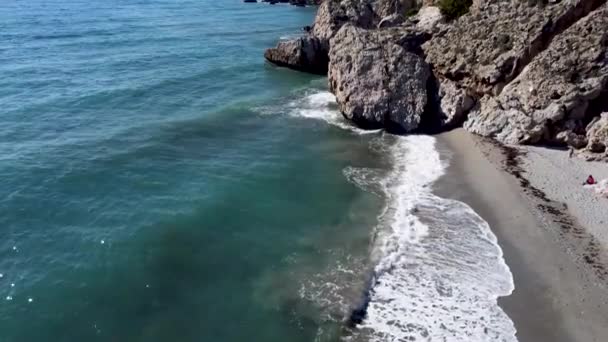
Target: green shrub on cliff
[
  {"x": 453, "y": 9},
  {"x": 412, "y": 11}
]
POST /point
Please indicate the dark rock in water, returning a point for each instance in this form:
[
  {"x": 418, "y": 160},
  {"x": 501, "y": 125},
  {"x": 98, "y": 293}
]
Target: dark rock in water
[
  {"x": 306, "y": 29},
  {"x": 304, "y": 54},
  {"x": 378, "y": 78},
  {"x": 250, "y": 1},
  {"x": 359, "y": 312}
]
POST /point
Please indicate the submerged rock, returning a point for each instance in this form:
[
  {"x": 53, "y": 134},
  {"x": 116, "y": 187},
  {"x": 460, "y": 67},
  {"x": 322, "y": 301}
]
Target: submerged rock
[{"x": 377, "y": 77}]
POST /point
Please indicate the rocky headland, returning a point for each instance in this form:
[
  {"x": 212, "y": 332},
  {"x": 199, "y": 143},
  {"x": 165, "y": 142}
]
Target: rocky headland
[{"x": 517, "y": 71}]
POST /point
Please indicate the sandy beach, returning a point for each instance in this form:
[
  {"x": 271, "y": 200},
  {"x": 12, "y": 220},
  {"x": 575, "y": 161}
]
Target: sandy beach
[{"x": 552, "y": 231}]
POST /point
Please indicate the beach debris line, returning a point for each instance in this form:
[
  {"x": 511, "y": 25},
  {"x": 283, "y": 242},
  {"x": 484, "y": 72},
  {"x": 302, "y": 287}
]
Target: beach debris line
[{"x": 591, "y": 255}]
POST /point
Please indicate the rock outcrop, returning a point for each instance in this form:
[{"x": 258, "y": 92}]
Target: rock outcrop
[
  {"x": 487, "y": 48},
  {"x": 597, "y": 138},
  {"x": 521, "y": 72},
  {"x": 551, "y": 101},
  {"x": 378, "y": 78},
  {"x": 429, "y": 19},
  {"x": 306, "y": 53},
  {"x": 331, "y": 16}
]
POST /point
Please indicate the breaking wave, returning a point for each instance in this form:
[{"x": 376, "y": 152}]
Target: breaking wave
[
  {"x": 439, "y": 269},
  {"x": 322, "y": 106}
]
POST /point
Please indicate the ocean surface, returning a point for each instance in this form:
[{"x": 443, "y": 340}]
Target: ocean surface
[{"x": 161, "y": 182}]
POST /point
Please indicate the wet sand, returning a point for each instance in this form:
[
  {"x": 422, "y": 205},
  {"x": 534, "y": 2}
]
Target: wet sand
[{"x": 559, "y": 267}]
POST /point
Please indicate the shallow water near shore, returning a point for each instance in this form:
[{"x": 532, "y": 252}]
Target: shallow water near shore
[{"x": 162, "y": 182}]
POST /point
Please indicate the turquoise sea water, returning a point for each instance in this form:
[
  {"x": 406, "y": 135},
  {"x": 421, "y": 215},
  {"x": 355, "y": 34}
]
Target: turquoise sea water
[{"x": 160, "y": 182}]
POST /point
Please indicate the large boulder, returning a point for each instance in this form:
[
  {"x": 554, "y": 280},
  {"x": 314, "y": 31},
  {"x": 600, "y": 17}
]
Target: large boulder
[
  {"x": 597, "y": 135},
  {"x": 378, "y": 78},
  {"x": 305, "y": 53},
  {"x": 310, "y": 53},
  {"x": 557, "y": 94}
]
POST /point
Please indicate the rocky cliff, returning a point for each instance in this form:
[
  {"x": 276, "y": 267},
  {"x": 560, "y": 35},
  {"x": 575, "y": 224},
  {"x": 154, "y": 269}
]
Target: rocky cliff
[{"x": 519, "y": 71}]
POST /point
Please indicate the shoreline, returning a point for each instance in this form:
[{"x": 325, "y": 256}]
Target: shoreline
[{"x": 556, "y": 297}]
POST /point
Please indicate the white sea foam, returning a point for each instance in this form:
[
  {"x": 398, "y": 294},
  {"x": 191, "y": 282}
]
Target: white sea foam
[
  {"x": 322, "y": 106},
  {"x": 439, "y": 269}
]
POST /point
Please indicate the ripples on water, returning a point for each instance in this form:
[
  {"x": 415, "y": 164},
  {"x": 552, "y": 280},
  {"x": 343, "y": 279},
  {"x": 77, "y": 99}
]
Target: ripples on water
[
  {"x": 146, "y": 196},
  {"x": 160, "y": 182}
]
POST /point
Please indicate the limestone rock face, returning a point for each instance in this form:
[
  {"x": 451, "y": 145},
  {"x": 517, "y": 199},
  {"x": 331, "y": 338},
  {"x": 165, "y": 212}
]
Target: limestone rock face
[
  {"x": 519, "y": 71},
  {"x": 557, "y": 94},
  {"x": 384, "y": 8},
  {"x": 304, "y": 54},
  {"x": 378, "y": 78},
  {"x": 488, "y": 47},
  {"x": 429, "y": 19},
  {"x": 454, "y": 104},
  {"x": 333, "y": 14},
  {"x": 597, "y": 135}
]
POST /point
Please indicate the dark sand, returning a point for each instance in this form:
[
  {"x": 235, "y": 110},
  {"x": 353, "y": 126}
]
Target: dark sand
[{"x": 556, "y": 297}]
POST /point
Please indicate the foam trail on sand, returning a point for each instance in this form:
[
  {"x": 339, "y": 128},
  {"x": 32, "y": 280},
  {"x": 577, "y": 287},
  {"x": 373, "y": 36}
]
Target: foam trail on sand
[{"x": 439, "y": 269}]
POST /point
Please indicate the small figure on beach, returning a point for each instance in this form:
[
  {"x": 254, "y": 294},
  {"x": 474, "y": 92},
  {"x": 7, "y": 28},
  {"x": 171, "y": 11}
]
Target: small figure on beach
[{"x": 590, "y": 181}]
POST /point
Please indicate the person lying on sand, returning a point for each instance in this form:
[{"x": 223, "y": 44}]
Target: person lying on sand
[{"x": 590, "y": 181}]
